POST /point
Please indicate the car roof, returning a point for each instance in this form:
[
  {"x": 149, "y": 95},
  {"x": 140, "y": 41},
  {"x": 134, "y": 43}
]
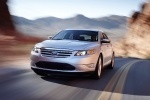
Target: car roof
[{"x": 96, "y": 30}]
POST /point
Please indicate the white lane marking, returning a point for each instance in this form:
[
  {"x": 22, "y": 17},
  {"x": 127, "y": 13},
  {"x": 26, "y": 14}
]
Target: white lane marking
[{"x": 116, "y": 83}]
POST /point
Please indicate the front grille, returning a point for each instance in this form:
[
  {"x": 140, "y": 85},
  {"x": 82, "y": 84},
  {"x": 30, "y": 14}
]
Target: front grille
[
  {"x": 56, "y": 53},
  {"x": 55, "y": 66}
]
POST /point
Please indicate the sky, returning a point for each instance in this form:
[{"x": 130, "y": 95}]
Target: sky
[{"x": 33, "y": 9}]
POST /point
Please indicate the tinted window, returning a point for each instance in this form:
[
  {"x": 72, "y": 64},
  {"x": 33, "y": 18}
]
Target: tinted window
[
  {"x": 80, "y": 35},
  {"x": 102, "y": 37},
  {"x": 105, "y": 36}
]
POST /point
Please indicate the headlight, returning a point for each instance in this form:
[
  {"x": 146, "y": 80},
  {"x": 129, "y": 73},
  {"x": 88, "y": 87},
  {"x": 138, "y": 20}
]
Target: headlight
[
  {"x": 36, "y": 49},
  {"x": 85, "y": 52}
]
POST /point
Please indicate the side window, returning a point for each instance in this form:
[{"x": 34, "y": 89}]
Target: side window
[
  {"x": 101, "y": 36},
  {"x": 105, "y": 36}
]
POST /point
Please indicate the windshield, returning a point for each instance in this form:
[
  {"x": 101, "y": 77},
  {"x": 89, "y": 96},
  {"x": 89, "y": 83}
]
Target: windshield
[{"x": 80, "y": 35}]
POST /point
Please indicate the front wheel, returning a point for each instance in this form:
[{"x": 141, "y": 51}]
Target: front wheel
[{"x": 98, "y": 69}]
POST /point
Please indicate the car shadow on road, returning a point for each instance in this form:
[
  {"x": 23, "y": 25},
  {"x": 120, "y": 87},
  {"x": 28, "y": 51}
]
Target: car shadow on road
[{"x": 86, "y": 82}]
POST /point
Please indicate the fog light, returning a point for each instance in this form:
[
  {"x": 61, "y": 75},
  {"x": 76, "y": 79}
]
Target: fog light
[
  {"x": 89, "y": 65},
  {"x": 36, "y": 49}
]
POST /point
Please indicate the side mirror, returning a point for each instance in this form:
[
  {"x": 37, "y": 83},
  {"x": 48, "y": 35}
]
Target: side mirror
[
  {"x": 50, "y": 37},
  {"x": 105, "y": 41}
]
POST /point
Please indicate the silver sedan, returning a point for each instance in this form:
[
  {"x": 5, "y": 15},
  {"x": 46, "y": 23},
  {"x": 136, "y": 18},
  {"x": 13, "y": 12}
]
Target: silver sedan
[{"x": 73, "y": 52}]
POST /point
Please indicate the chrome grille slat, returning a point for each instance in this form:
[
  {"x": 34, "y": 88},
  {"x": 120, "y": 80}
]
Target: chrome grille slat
[
  {"x": 56, "y": 53},
  {"x": 46, "y": 52}
]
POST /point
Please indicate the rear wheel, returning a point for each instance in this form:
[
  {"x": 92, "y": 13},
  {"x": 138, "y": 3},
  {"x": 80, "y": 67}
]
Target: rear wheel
[
  {"x": 98, "y": 69},
  {"x": 111, "y": 65}
]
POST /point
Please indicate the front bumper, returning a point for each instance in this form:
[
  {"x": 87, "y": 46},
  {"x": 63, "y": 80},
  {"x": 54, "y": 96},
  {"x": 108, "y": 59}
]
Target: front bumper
[
  {"x": 81, "y": 64},
  {"x": 47, "y": 72}
]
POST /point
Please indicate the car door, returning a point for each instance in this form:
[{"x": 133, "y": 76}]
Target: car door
[
  {"x": 104, "y": 49},
  {"x": 108, "y": 49}
]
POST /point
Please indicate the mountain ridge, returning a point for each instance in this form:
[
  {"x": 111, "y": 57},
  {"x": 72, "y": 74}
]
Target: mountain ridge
[{"x": 51, "y": 25}]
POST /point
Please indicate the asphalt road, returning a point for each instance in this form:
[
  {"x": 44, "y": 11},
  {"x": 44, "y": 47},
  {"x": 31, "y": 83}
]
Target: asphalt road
[{"x": 129, "y": 80}]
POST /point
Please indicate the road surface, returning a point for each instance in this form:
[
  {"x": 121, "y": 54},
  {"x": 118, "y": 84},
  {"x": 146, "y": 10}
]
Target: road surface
[{"x": 129, "y": 80}]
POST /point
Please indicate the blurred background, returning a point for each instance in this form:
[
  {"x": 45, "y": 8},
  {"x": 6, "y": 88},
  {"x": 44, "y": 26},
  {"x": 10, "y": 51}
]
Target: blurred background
[{"x": 26, "y": 22}]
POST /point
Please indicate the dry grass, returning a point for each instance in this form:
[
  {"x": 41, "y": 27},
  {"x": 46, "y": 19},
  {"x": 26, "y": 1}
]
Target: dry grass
[{"x": 137, "y": 47}]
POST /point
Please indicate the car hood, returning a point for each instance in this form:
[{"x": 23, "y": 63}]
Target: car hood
[{"x": 67, "y": 44}]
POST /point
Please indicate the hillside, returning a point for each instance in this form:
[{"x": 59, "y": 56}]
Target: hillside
[
  {"x": 43, "y": 27},
  {"x": 137, "y": 40}
]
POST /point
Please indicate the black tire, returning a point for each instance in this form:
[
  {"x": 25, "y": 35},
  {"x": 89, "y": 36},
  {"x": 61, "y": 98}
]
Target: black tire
[
  {"x": 111, "y": 65},
  {"x": 98, "y": 68}
]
